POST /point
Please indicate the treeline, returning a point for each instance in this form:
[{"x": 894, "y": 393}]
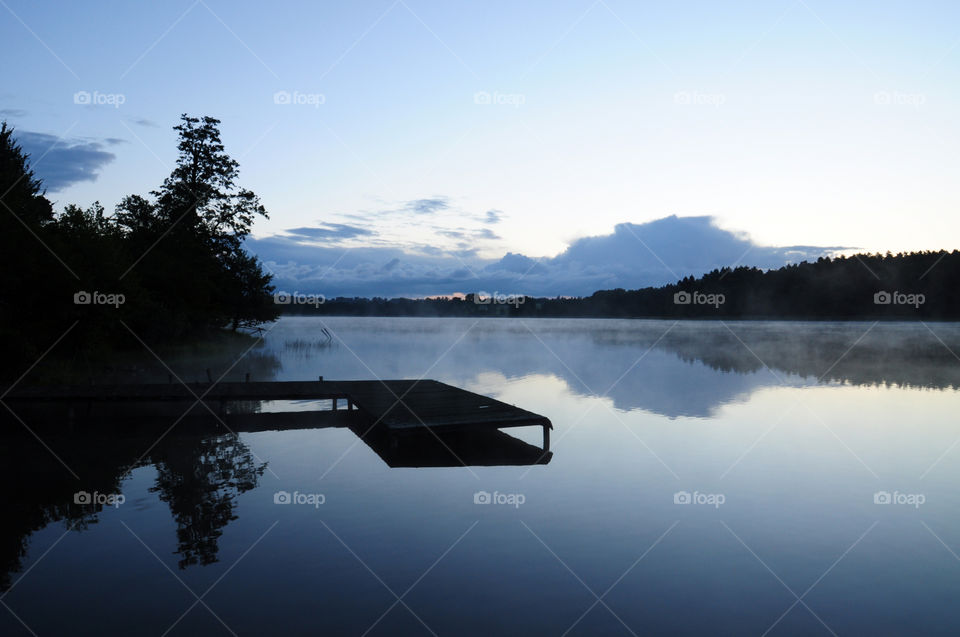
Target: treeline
[
  {"x": 907, "y": 286},
  {"x": 163, "y": 266}
]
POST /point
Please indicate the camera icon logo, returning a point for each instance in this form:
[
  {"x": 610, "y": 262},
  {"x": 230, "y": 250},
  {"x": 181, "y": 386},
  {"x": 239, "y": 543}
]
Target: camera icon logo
[
  {"x": 282, "y": 497},
  {"x": 82, "y": 497},
  {"x": 682, "y": 298},
  {"x": 682, "y": 497},
  {"x": 482, "y": 97},
  {"x": 82, "y": 298},
  {"x": 882, "y": 497},
  {"x": 282, "y": 298},
  {"x": 882, "y": 298},
  {"x": 482, "y": 298},
  {"x": 81, "y": 97},
  {"x": 281, "y": 97},
  {"x": 481, "y": 497}
]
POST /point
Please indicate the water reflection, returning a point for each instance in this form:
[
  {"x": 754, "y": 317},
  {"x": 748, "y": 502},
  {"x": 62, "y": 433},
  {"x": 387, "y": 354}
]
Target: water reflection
[
  {"x": 201, "y": 467},
  {"x": 675, "y": 369},
  {"x": 799, "y": 484},
  {"x": 200, "y": 478},
  {"x": 470, "y": 447}
]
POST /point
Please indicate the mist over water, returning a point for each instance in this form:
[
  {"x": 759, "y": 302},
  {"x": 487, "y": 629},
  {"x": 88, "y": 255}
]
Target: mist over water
[{"x": 708, "y": 472}]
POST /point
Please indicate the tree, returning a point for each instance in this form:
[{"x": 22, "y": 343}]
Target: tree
[
  {"x": 21, "y": 191},
  {"x": 192, "y": 235},
  {"x": 29, "y": 272}
]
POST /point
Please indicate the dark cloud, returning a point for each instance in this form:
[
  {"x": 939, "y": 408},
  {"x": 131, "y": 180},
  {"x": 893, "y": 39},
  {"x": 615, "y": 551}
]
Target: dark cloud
[
  {"x": 335, "y": 231},
  {"x": 145, "y": 122},
  {"x": 493, "y": 216},
  {"x": 60, "y": 163},
  {"x": 632, "y": 256},
  {"x": 427, "y": 206}
]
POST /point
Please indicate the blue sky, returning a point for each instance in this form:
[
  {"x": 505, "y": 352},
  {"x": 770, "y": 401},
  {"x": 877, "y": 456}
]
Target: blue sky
[{"x": 528, "y": 125}]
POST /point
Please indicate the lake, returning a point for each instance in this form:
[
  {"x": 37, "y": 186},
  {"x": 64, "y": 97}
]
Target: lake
[{"x": 717, "y": 478}]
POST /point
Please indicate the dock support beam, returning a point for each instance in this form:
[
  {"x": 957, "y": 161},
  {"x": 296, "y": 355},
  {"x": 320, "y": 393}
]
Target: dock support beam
[{"x": 546, "y": 437}]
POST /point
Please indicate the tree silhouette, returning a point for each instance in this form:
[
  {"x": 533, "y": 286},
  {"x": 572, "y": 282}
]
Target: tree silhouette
[
  {"x": 28, "y": 271},
  {"x": 192, "y": 234},
  {"x": 200, "y": 479}
]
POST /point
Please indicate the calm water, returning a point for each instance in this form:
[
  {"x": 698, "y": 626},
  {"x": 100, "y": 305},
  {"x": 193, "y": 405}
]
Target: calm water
[{"x": 706, "y": 478}]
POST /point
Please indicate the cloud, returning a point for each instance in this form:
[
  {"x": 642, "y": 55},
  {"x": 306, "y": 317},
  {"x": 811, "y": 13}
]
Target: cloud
[
  {"x": 632, "y": 256},
  {"x": 60, "y": 163},
  {"x": 330, "y": 231},
  {"x": 486, "y": 233},
  {"x": 468, "y": 235},
  {"x": 149, "y": 123},
  {"x": 427, "y": 206},
  {"x": 13, "y": 112},
  {"x": 493, "y": 216}
]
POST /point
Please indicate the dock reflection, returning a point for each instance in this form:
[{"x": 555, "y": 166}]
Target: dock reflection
[{"x": 202, "y": 467}]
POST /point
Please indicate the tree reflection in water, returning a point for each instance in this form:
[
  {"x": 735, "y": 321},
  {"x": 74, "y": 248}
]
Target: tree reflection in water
[
  {"x": 199, "y": 476},
  {"x": 200, "y": 479}
]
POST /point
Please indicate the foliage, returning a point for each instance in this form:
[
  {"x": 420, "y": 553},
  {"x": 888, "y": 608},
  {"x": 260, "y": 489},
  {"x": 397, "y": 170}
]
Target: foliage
[
  {"x": 175, "y": 257},
  {"x": 919, "y": 285}
]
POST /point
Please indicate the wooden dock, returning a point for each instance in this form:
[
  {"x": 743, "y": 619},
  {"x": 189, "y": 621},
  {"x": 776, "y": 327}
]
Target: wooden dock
[{"x": 397, "y": 405}]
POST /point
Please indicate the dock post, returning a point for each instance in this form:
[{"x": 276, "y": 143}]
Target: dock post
[
  {"x": 335, "y": 400},
  {"x": 248, "y": 377},
  {"x": 546, "y": 437}
]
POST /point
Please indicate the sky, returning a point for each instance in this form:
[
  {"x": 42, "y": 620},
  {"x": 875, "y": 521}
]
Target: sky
[{"x": 433, "y": 140}]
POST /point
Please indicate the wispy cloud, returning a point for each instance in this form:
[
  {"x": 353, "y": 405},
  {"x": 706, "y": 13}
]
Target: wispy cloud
[
  {"x": 427, "y": 206},
  {"x": 330, "y": 231}
]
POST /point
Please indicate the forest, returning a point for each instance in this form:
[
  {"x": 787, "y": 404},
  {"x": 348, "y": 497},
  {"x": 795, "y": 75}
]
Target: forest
[
  {"x": 910, "y": 286},
  {"x": 163, "y": 266}
]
